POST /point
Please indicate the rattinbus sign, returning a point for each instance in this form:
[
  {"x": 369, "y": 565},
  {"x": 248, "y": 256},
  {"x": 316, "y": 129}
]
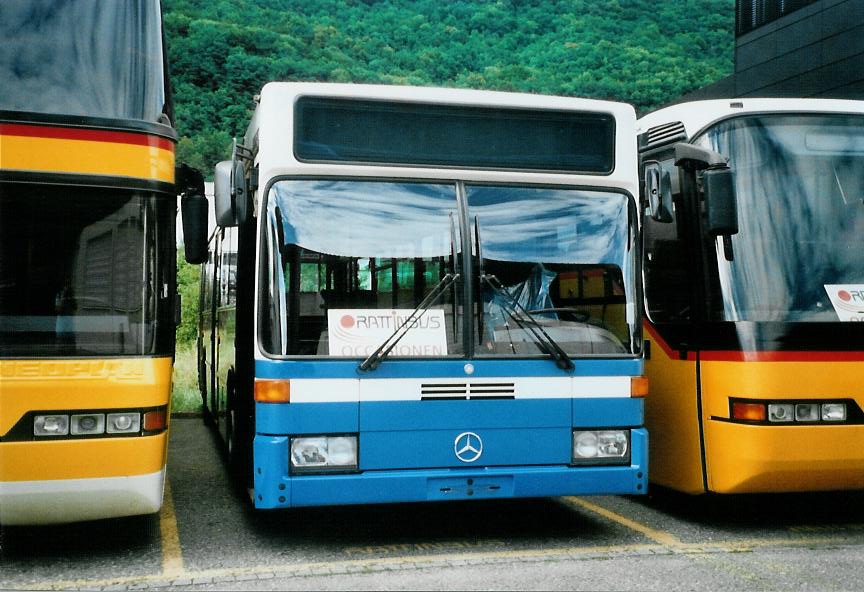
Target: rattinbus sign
[
  {"x": 359, "y": 332},
  {"x": 847, "y": 300}
]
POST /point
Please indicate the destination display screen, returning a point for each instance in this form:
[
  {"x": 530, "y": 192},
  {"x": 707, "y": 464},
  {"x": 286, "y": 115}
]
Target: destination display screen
[{"x": 423, "y": 134}]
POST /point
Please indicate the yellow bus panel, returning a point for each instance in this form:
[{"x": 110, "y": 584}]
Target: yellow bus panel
[
  {"x": 58, "y": 385},
  {"x": 762, "y": 459},
  {"x": 83, "y": 458},
  {"x": 95, "y": 158},
  {"x": 672, "y": 419},
  {"x": 781, "y": 458}
]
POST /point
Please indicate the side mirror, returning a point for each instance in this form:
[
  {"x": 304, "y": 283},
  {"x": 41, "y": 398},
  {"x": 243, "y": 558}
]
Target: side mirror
[
  {"x": 222, "y": 203},
  {"x": 721, "y": 202},
  {"x": 193, "y": 207},
  {"x": 240, "y": 188},
  {"x": 658, "y": 192},
  {"x": 233, "y": 206}
]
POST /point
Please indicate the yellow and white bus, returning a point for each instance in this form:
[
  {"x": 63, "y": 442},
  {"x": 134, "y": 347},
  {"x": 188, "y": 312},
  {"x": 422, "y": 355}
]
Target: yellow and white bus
[
  {"x": 87, "y": 260},
  {"x": 753, "y": 286}
]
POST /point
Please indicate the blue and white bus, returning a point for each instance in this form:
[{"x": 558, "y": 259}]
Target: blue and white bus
[{"x": 426, "y": 294}]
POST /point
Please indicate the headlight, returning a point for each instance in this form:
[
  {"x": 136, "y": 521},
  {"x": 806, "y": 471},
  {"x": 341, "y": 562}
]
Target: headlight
[
  {"x": 75, "y": 424},
  {"x": 781, "y": 412},
  {"x": 834, "y": 412},
  {"x": 806, "y": 412},
  {"x": 323, "y": 453},
  {"x": 51, "y": 425},
  {"x": 790, "y": 413},
  {"x": 91, "y": 423},
  {"x": 601, "y": 447},
  {"x": 123, "y": 423}
]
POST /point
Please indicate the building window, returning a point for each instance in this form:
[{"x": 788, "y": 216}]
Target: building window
[{"x": 752, "y": 14}]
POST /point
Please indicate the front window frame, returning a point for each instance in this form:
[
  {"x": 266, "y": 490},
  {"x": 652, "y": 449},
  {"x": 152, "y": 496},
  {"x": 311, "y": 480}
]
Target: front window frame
[
  {"x": 632, "y": 293},
  {"x": 158, "y": 264},
  {"x": 468, "y": 324},
  {"x": 267, "y": 238},
  {"x": 700, "y": 138},
  {"x": 154, "y": 72}
]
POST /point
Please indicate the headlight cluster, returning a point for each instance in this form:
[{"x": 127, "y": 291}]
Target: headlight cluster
[
  {"x": 791, "y": 412},
  {"x": 100, "y": 423},
  {"x": 311, "y": 454},
  {"x": 610, "y": 447}
]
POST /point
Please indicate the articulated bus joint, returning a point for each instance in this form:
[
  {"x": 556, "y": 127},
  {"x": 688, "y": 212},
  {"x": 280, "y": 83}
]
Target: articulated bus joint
[{"x": 78, "y": 424}]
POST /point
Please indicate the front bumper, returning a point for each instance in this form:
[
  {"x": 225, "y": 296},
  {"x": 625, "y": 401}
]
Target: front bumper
[
  {"x": 760, "y": 459},
  {"x": 72, "y": 500},
  {"x": 275, "y": 488},
  {"x": 60, "y": 481}
]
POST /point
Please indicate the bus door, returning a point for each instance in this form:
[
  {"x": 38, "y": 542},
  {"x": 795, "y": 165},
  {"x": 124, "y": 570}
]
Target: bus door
[
  {"x": 225, "y": 325},
  {"x": 673, "y": 291},
  {"x": 210, "y": 313},
  {"x": 206, "y": 333}
]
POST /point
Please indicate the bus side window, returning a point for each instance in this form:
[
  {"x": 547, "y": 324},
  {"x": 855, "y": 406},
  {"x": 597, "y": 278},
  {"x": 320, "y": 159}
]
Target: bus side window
[
  {"x": 228, "y": 268},
  {"x": 204, "y": 294},
  {"x": 222, "y": 293},
  {"x": 232, "y": 267},
  {"x": 668, "y": 288}
]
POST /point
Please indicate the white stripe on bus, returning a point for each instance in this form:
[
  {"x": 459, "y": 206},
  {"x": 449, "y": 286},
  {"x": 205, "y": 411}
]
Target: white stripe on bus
[{"x": 352, "y": 390}]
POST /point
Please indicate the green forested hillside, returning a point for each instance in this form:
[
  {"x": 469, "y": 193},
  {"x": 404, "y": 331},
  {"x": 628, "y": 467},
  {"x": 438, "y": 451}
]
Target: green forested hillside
[{"x": 646, "y": 52}]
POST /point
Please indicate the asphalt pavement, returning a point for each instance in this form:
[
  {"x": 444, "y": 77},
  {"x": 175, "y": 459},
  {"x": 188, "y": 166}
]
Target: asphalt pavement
[{"x": 208, "y": 537}]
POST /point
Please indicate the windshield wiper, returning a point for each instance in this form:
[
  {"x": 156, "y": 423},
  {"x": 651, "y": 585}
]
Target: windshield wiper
[
  {"x": 376, "y": 357},
  {"x": 543, "y": 339},
  {"x": 527, "y": 322}
]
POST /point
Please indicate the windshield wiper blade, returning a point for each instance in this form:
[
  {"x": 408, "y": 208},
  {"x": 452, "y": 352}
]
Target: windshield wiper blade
[
  {"x": 376, "y": 357},
  {"x": 527, "y": 321}
]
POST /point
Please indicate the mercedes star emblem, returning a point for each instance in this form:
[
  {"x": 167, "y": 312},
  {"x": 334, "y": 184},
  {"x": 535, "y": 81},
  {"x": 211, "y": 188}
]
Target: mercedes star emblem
[{"x": 468, "y": 447}]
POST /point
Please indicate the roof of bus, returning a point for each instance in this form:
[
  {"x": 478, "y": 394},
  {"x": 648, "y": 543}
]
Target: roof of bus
[
  {"x": 280, "y": 91},
  {"x": 272, "y": 125},
  {"x": 697, "y": 115}
]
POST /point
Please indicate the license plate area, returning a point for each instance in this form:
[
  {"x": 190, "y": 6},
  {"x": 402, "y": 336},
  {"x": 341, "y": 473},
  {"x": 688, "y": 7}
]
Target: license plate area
[{"x": 444, "y": 488}]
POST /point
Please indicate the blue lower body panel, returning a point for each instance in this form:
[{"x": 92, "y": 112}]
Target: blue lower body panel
[{"x": 275, "y": 488}]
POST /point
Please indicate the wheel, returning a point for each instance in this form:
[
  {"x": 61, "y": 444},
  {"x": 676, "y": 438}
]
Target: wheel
[{"x": 237, "y": 439}]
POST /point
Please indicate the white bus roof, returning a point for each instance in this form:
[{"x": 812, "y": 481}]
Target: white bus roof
[
  {"x": 272, "y": 128},
  {"x": 697, "y": 115}
]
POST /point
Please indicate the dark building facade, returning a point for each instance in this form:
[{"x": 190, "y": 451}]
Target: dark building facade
[{"x": 795, "y": 48}]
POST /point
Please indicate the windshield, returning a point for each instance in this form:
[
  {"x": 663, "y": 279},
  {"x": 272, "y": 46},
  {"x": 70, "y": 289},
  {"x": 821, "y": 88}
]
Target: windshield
[
  {"x": 85, "y": 272},
  {"x": 87, "y": 57},
  {"x": 564, "y": 256},
  {"x": 349, "y": 262},
  {"x": 800, "y": 186}
]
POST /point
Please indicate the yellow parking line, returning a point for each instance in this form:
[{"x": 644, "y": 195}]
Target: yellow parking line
[
  {"x": 172, "y": 554},
  {"x": 344, "y": 565},
  {"x": 675, "y": 544},
  {"x": 658, "y": 536},
  {"x": 420, "y": 561},
  {"x": 663, "y": 543}
]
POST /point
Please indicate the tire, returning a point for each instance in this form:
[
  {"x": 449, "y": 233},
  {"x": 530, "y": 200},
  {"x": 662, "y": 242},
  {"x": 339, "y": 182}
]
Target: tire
[{"x": 237, "y": 440}]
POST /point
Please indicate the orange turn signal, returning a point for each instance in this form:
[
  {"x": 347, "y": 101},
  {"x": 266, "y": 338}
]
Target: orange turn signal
[
  {"x": 638, "y": 386},
  {"x": 154, "y": 420},
  {"x": 748, "y": 411},
  {"x": 273, "y": 391}
]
